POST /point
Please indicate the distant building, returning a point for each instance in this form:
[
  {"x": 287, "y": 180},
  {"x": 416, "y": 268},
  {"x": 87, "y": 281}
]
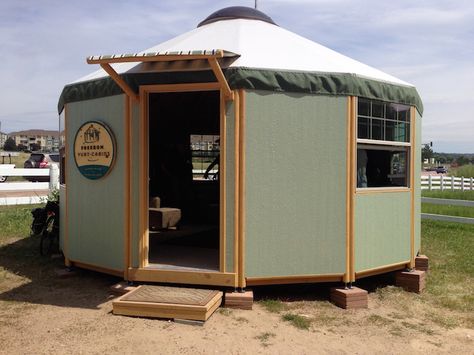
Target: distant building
[
  {"x": 3, "y": 138},
  {"x": 45, "y": 140}
]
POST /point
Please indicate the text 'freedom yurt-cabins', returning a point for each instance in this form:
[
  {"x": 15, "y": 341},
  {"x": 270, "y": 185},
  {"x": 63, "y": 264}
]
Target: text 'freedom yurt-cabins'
[{"x": 239, "y": 154}]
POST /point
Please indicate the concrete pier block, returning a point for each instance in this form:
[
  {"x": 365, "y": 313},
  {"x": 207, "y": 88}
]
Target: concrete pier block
[
  {"x": 350, "y": 298},
  {"x": 240, "y": 300},
  {"x": 422, "y": 263},
  {"x": 411, "y": 281}
]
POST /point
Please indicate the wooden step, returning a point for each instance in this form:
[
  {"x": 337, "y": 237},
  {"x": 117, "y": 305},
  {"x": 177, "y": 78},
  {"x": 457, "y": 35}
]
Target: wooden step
[{"x": 168, "y": 302}]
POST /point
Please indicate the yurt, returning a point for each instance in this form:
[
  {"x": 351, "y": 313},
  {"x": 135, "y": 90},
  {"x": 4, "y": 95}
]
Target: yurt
[{"x": 238, "y": 154}]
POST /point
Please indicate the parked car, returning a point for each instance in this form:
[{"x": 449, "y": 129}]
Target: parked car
[
  {"x": 441, "y": 170},
  {"x": 40, "y": 161}
]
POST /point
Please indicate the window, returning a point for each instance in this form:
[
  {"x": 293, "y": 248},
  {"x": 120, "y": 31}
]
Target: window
[
  {"x": 205, "y": 156},
  {"x": 383, "y": 144}
]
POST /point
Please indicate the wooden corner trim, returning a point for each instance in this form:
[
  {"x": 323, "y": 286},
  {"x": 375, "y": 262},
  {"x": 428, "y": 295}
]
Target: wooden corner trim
[{"x": 241, "y": 197}]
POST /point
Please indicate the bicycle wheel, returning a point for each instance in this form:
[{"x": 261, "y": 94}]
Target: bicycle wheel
[{"x": 47, "y": 239}]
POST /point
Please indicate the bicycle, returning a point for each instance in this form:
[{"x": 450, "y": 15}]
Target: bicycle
[{"x": 46, "y": 223}]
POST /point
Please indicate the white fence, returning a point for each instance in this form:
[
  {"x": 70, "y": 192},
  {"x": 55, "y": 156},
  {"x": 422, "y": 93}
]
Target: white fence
[
  {"x": 19, "y": 193},
  {"x": 433, "y": 182}
]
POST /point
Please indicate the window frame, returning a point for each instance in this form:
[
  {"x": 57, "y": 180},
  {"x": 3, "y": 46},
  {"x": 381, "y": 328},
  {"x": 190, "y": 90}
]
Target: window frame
[{"x": 375, "y": 144}]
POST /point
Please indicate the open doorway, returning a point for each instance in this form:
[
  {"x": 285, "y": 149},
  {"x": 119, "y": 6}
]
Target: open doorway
[{"x": 184, "y": 192}]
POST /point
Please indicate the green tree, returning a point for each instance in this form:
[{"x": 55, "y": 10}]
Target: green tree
[
  {"x": 426, "y": 152},
  {"x": 462, "y": 160},
  {"x": 22, "y": 147},
  {"x": 10, "y": 145},
  {"x": 35, "y": 147}
]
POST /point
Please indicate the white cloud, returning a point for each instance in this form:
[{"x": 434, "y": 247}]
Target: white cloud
[{"x": 425, "y": 42}]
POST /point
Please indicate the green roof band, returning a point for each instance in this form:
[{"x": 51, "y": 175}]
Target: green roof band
[{"x": 339, "y": 84}]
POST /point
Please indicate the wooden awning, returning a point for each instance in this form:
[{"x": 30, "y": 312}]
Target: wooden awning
[{"x": 211, "y": 56}]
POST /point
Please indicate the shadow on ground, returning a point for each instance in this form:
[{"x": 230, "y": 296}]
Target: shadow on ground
[
  {"x": 89, "y": 289},
  {"x": 316, "y": 291},
  {"x": 29, "y": 277}
]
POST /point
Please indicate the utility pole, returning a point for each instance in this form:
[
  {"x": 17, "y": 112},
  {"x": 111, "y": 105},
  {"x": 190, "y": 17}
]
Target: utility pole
[{"x": 255, "y": 4}]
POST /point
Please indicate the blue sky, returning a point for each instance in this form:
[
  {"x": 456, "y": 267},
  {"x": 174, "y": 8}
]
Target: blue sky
[{"x": 429, "y": 43}]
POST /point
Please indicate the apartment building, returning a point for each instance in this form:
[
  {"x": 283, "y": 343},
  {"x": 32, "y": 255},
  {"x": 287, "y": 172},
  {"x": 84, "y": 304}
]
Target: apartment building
[
  {"x": 3, "y": 138},
  {"x": 37, "y": 139}
]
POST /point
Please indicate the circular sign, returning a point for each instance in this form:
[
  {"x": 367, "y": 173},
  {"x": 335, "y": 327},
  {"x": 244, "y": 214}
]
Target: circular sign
[{"x": 94, "y": 150}]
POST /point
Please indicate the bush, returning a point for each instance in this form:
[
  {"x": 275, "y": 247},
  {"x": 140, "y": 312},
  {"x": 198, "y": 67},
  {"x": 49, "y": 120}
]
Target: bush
[
  {"x": 466, "y": 171},
  {"x": 10, "y": 145}
]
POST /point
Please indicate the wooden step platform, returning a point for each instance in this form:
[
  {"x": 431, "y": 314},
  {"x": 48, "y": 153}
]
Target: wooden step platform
[{"x": 168, "y": 302}]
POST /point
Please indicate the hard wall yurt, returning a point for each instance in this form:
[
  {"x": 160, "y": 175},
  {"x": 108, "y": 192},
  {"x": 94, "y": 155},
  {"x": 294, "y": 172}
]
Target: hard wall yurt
[{"x": 237, "y": 154}]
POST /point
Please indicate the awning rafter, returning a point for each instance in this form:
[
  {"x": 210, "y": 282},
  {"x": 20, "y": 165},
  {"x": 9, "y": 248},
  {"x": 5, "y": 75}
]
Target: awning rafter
[{"x": 211, "y": 56}]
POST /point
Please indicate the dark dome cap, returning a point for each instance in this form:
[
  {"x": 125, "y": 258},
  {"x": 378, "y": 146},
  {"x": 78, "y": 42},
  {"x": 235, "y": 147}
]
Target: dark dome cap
[{"x": 236, "y": 12}]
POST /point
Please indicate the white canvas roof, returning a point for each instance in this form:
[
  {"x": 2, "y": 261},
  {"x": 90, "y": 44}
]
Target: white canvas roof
[{"x": 261, "y": 45}]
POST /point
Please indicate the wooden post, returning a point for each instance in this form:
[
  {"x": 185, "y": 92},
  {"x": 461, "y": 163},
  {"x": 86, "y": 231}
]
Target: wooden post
[
  {"x": 472, "y": 183},
  {"x": 430, "y": 183},
  {"x": 452, "y": 183},
  {"x": 441, "y": 187},
  {"x": 462, "y": 183}
]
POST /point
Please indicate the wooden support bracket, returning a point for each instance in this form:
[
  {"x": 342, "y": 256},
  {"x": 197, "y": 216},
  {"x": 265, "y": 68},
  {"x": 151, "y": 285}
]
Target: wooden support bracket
[
  {"x": 228, "y": 94},
  {"x": 120, "y": 82}
]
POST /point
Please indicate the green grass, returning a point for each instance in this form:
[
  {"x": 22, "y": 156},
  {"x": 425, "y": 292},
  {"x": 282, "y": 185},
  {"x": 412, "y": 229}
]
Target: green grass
[
  {"x": 19, "y": 161},
  {"x": 298, "y": 321},
  {"x": 448, "y": 210},
  {"x": 15, "y": 221},
  {"x": 273, "y": 306},
  {"x": 265, "y": 337},
  {"x": 450, "y": 248},
  {"x": 378, "y": 320},
  {"x": 456, "y": 195}
]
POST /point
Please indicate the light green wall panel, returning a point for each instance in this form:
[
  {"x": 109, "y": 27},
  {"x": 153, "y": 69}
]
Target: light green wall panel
[
  {"x": 135, "y": 196},
  {"x": 230, "y": 186},
  {"x": 96, "y": 207},
  {"x": 417, "y": 182},
  {"x": 295, "y": 184},
  {"x": 382, "y": 229},
  {"x": 62, "y": 215}
]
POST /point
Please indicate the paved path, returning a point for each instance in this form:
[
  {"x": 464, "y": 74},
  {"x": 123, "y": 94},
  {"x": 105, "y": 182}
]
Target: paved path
[{"x": 22, "y": 197}]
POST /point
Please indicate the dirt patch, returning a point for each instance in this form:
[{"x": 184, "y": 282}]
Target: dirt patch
[{"x": 43, "y": 314}]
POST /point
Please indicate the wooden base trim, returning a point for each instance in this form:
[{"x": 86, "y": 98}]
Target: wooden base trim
[
  {"x": 297, "y": 279},
  {"x": 104, "y": 270},
  {"x": 183, "y": 277},
  {"x": 382, "y": 269}
]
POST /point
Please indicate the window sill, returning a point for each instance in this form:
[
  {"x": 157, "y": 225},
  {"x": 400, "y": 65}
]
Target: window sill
[{"x": 375, "y": 190}]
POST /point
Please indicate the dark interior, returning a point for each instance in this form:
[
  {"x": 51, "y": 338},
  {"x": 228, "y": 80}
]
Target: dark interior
[
  {"x": 194, "y": 241},
  {"x": 383, "y": 168}
]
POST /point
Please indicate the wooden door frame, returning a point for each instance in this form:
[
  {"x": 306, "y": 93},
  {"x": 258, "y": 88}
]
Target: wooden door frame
[{"x": 144, "y": 272}]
